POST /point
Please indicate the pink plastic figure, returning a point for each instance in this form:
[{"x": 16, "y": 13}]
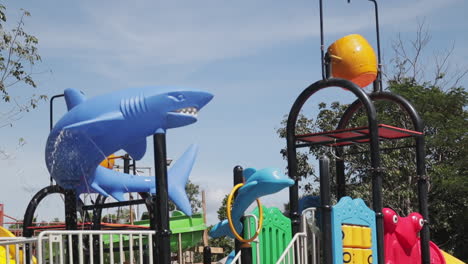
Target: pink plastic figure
[{"x": 401, "y": 239}]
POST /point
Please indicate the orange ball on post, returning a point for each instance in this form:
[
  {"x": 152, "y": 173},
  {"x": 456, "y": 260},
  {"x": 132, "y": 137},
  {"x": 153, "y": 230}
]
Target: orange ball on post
[{"x": 353, "y": 58}]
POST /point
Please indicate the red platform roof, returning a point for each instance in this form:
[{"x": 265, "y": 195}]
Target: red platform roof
[{"x": 348, "y": 136}]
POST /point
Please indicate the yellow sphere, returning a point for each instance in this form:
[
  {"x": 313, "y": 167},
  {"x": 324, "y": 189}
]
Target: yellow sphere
[
  {"x": 109, "y": 162},
  {"x": 353, "y": 59}
]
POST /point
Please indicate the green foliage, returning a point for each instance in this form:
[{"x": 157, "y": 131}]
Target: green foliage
[
  {"x": 222, "y": 209},
  {"x": 18, "y": 56}
]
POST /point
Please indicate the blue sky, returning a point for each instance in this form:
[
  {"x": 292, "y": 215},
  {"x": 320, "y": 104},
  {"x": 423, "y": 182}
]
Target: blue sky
[{"x": 254, "y": 56}]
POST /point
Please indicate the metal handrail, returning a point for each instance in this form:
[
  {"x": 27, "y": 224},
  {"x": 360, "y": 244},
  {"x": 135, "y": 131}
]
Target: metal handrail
[{"x": 302, "y": 255}]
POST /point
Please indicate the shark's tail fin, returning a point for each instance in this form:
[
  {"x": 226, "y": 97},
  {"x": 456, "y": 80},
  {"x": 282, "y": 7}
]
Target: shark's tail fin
[{"x": 177, "y": 179}]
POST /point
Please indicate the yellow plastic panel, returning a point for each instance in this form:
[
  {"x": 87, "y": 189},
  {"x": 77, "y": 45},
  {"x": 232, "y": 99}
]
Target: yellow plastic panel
[
  {"x": 348, "y": 255},
  {"x": 347, "y": 235},
  {"x": 366, "y": 234},
  {"x": 366, "y": 256},
  {"x": 357, "y": 236}
]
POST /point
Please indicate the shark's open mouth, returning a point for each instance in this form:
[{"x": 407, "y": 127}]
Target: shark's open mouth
[{"x": 192, "y": 111}]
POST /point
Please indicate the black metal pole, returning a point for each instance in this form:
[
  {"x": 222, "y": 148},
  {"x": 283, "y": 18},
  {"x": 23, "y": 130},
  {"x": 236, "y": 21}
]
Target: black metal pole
[
  {"x": 126, "y": 166},
  {"x": 340, "y": 174},
  {"x": 97, "y": 216},
  {"x": 378, "y": 81},
  {"x": 423, "y": 189},
  {"x": 238, "y": 178},
  {"x": 246, "y": 253},
  {"x": 322, "y": 44},
  {"x": 207, "y": 255},
  {"x": 51, "y": 108},
  {"x": 71, "y": 219},
  {"x": 163, "y": 232},
  {"x": 70, "y": 210},
  {"x": 326, "y": 209},
  {"x": 51, "y": 119}
]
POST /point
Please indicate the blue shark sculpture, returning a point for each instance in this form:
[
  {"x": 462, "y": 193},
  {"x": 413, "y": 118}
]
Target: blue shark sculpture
[
  {"x": 95, "y": 128},
  {"x": 258, "y": 183}
]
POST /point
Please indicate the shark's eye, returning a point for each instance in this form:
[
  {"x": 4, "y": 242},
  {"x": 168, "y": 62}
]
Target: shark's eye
[
  {"x": 178, "y": 97},
  {"x": 395, "y": 219}
]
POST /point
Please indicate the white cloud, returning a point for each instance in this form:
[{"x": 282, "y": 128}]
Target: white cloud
[{"x": 160, "y": 34}]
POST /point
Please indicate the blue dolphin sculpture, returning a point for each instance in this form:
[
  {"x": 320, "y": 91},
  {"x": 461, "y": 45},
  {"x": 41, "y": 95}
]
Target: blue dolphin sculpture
[
  {"x": 258, "y": 183},
  {"x": 95, "y": 128}
]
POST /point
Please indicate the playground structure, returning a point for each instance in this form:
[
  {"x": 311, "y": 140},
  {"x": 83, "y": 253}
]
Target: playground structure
[{"x": 316, "y": 231}]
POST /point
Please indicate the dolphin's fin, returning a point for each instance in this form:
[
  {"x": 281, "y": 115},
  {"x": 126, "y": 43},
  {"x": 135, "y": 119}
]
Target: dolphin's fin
[
  {"x": 98, "y": 189},
  {"x": 107, "y": 118},
  {"x": 177, "y": 179},
  {"x": 73, "y": 98},
  {"x": 137, "y": 149},
  {"x": 118, "y": 196},
  {"x": 247, "y": 188},
  {"x": 248, "y": 172}
]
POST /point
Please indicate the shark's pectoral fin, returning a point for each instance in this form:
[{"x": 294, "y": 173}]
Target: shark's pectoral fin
[
  {"x": 98, "y": 189},
  {"x": 73, "y": 98},
  {"x": 103, "y": 123},
  {"x": 137, "y": 149},
  {"x": 118, "y": 196}
]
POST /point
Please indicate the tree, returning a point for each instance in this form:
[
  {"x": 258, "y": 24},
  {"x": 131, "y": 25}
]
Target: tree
[
  {"x": 222, "y": 214},
  {"x": 18, "y": 56},
  {"x": 442, "y": 104}
]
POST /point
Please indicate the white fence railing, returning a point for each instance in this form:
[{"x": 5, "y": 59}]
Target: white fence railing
[
  {"x": 80, "y": 246},
  {"x": 120, "y": 246},
  {"x": 12, "y": 249}
]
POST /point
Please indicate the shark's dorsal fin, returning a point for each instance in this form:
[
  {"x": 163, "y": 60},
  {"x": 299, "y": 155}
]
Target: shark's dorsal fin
[
  {"x": 248, "y": 172},
  {"x": 73, "y": 98},
  {"x": 137, "y": 149}
]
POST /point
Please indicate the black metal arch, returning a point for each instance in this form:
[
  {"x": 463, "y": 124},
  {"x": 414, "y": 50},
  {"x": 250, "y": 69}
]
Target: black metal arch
[
  {"x": 291, "y": 140},
  {"x": 32, "y": 206},
  {"x": 418, "y": 125}
]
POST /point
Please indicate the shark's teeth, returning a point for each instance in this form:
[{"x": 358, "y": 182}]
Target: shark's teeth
[{"x": 188, "y": 111}]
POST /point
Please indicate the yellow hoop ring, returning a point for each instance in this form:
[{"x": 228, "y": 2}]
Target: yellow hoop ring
[{"x": 231, "y": 225}]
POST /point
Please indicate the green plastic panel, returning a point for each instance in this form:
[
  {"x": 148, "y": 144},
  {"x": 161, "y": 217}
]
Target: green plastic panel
[
  {"x": 274, "y": 237},
  {"x": 190, "y": 228}
]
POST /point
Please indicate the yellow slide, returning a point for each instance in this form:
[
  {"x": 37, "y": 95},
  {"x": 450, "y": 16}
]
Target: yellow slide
[
  {"x": 449, "y": 259},
  {"x": 11, "y": 249}
]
